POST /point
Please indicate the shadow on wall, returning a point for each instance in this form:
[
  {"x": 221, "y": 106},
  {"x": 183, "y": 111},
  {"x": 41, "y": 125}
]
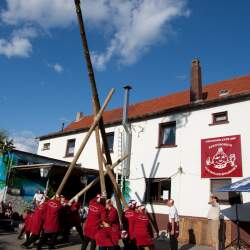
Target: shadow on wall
[
  {"x": 191, "y": 236},
  {"x": 191, "y": 240}
]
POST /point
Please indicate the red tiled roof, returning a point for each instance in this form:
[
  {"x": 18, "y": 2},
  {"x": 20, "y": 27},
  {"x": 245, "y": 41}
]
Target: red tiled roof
[{"x": 240, "y": 85}]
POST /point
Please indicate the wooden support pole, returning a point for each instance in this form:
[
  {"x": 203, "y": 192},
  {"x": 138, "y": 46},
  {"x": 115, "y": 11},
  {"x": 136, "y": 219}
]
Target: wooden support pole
[
  {"x": 96, "y": 180},
  {"x": 100, "y": 161},
  {"x": 95, "y": 97},
  {"x": 116, "y": 187},
  {"x": 82, "y": 146}
]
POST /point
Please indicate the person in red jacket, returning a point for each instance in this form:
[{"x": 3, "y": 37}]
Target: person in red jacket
[
  {"x": 108, "y": 236},
  {"x": 129, "y": 224},
  {"x": 25, "y": 229},
  {"x": 143, "y": 230},
  {"x": 35, "y": 225},
  {"x": 96, "y": 215},
  {"x": 51, "y": 224}
]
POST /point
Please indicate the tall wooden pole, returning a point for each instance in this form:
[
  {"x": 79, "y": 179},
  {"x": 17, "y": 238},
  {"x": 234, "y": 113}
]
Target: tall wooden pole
[
  {"x": 82, "y": 146},
  {"x": 95, "y": 97}
]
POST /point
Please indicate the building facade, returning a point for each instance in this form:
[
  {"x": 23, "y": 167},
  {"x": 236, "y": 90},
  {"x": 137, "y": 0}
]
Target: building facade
[{"x": 184, "y": 146}]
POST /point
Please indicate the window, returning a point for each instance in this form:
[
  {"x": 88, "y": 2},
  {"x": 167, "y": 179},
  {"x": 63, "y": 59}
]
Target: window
[
  {"x": 157, "y": 189},
  {"x": 110, "y": 140},
  {"x": 223, "y": 92},
  {"x": 167, "y": 134},
  {"x": 219, "y": 118},
  {"x": 70, "y": 148},
  {"x": 46, "y": 146},
  {"x": 225, "y": 198},
  {"x": 216, "y": 184}
]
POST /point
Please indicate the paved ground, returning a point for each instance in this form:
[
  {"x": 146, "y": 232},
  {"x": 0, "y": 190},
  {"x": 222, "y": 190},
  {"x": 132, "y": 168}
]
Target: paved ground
[{"x": 8, "y": 241}]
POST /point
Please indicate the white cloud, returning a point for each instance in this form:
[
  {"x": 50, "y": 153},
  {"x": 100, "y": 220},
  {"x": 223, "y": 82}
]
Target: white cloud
[
  {"x": 25, "y": 141},
  {"x": 25, "y": 32},
  {"x": 15, "y": 47},
  {"x": 131, "y": 27},
  {"x": 46, "y": 13},
  {"x": 138, "y": 25},
  {"x": 19, "y": 44},
  {"x": 58, "y": 68}
]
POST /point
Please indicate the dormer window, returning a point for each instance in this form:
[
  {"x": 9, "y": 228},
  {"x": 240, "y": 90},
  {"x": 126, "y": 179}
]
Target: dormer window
[
  {"x": 46, "y": 146},
  {"x": 219, "y": 118},
  {"x": 223, "y": 92}
]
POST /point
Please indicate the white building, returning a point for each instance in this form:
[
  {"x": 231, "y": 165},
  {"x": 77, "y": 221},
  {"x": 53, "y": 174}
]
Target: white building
[{"x": 166, "y": 150}]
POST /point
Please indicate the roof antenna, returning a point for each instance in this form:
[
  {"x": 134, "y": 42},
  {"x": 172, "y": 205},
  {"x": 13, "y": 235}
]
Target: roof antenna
[{"x": 62, "y": 128}]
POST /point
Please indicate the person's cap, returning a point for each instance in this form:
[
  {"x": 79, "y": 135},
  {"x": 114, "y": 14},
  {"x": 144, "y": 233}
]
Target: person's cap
[
  {"x": 108, "y": 201},
  {"x": 132, "y": 204}
]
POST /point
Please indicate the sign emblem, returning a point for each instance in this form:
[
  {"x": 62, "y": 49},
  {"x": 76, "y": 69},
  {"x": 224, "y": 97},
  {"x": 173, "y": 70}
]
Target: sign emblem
[{"x": 221, "y": 157}]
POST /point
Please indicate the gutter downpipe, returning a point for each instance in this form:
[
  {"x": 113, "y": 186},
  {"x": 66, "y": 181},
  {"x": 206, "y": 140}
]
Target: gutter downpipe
[{"x": 127, "y": 136}]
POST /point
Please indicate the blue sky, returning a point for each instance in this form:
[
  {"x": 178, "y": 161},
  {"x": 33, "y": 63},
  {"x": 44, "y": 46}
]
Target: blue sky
[{"x": 148, "y": 44}]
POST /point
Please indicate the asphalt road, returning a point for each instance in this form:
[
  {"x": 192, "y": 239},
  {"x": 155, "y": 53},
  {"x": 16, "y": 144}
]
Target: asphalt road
[{"x": 9, "y": 241}]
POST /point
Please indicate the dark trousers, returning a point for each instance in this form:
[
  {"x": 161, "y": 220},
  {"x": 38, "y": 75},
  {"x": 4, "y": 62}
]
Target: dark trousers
[
  {"x": 173, "y": 242},
  {"x": 80, "y": 231},
  {"x": 129, "y": 244},
  {"x": 86, "y": 241},
  {"x": 21, "y": 233},
  {"x": 44, "y": 238},
  {"x": 32, "y": 239}
]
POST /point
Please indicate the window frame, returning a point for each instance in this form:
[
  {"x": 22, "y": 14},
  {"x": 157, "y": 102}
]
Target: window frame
[
  {"x": 217, "y": 114},
  {"x": 160, "y": 134},
  {"x": 225, "y": 201},
  {"x": 67, "y": 154},
  {"x": 148, "y": 183},
  {"x": 108, "y": 134},
  {"x": 46, "y": 148}
]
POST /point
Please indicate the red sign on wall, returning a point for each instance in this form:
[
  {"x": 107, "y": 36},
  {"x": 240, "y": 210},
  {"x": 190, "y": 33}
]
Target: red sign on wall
[{"x": 221, "y": 157}]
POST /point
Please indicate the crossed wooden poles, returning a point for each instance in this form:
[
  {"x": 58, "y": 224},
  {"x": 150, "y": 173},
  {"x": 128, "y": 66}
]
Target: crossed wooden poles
[{"x": 98, "y": 127}]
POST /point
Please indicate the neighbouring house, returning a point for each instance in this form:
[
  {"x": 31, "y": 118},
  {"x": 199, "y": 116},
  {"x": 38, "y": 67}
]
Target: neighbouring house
[
  {"x": 185, "y": 146},
  {"x": 23, "y": 173}
]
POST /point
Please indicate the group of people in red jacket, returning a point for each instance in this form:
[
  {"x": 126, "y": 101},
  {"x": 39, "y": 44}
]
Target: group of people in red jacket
[
  {"x": 49, "y": 218},
  {"x": 102, "y": 226}
]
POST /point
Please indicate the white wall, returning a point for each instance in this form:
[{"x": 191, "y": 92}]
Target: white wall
[{"x": 190, "y": 192}]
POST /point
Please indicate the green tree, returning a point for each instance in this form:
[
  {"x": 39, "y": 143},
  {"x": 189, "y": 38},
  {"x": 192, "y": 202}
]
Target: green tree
[{"x": 6, "y": 144}]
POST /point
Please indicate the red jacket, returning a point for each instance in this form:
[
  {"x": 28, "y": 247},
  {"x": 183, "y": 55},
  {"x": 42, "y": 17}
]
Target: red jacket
[
  {"x": 37, "y": 220},
  {"x": 129, "y": 221},
  {"x": 109, "y": 236},
  {"x": 113, "y": 220},
  {"x": 74, "y": 213},
  {"x": 143, "y": 230},
  {"x": 51, "y": 219},
  {"x": 96, "y": 214},
  {"x": 27, "y": 222}
]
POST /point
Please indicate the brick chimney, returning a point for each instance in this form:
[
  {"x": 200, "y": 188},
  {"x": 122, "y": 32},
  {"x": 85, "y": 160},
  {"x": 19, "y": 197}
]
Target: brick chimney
[{"x": 196, "y": 82}]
